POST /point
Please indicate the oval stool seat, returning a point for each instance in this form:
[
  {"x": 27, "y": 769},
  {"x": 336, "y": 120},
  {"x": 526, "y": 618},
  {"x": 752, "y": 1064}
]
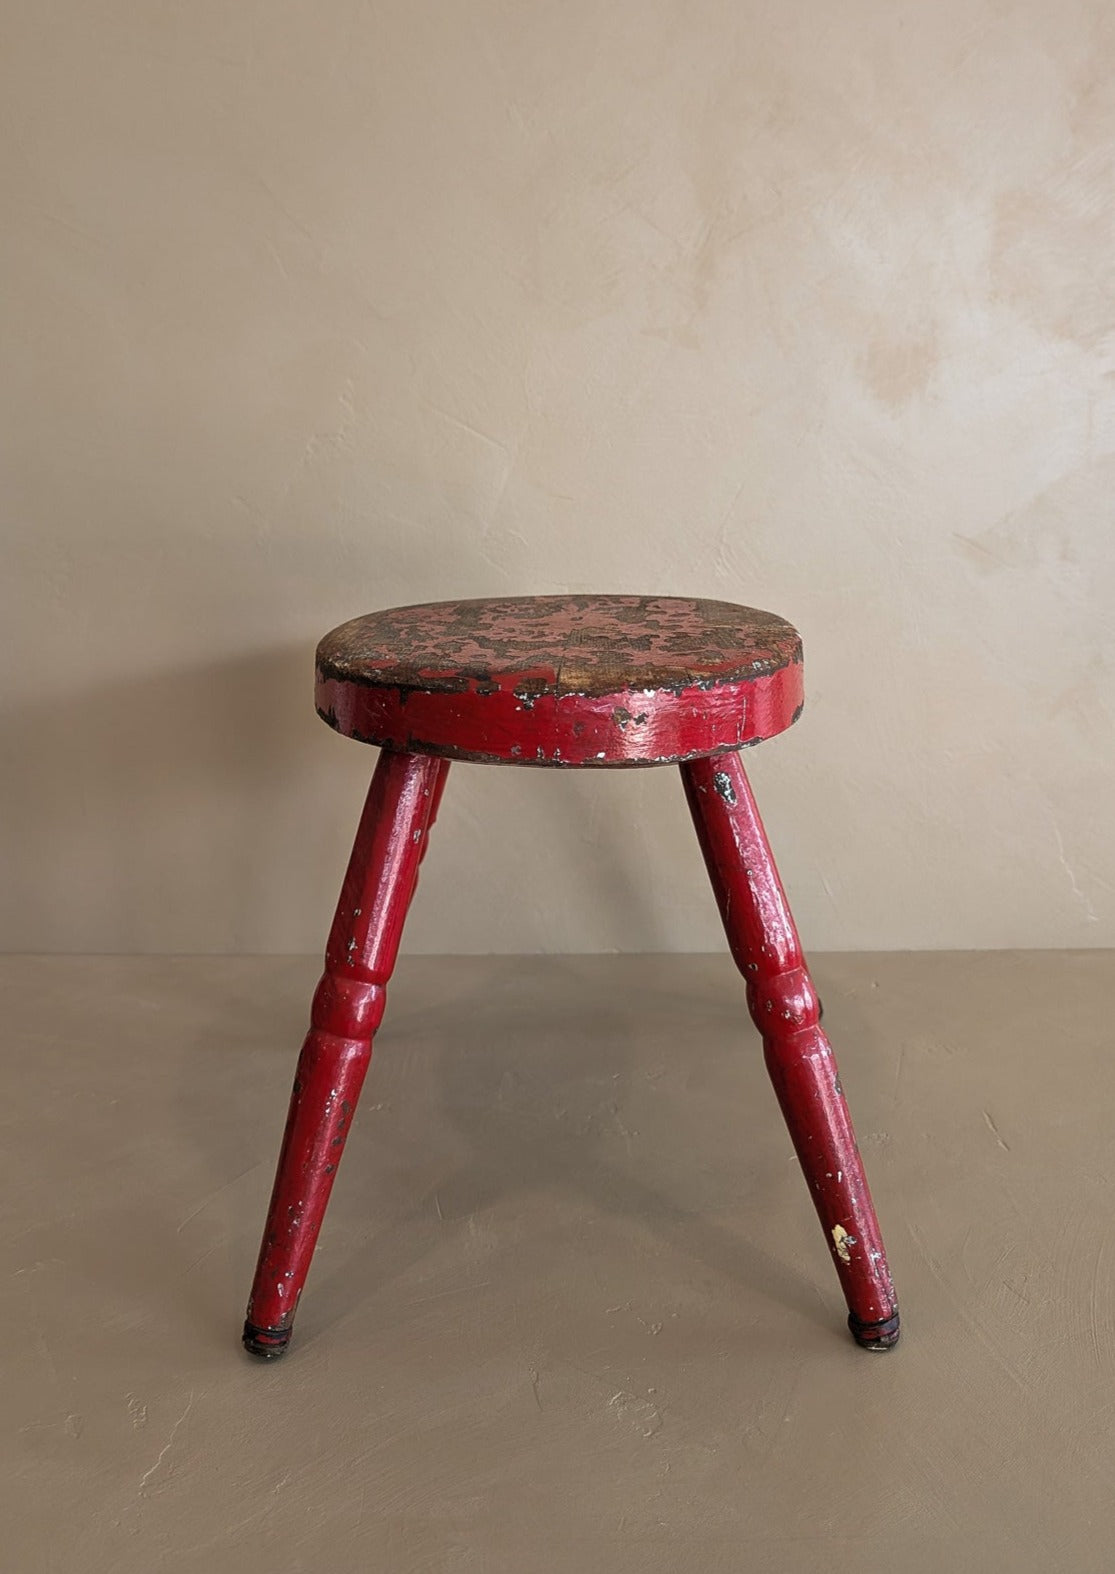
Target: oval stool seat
[{"x": 562, "y": 680}]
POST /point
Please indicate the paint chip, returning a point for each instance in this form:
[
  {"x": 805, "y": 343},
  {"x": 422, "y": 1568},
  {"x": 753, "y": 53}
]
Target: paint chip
[{"x": 842, "y": 1240}]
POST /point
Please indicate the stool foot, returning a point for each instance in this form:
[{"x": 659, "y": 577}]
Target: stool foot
[
  {"x": 875, "y": 1336},
  {"x": 269, "y": 1343},
  {"x": 784, "y": 1007},
  {"x": 347, "y": 1009}
]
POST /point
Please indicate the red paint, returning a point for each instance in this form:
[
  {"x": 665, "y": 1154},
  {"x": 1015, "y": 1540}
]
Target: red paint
[
  {"x": 565, "y": 681},
  {"x": 562, "y": 680},
  {"x": 625, "y": 728},
  {"x": 347, "y": 1009},
  {"x": 784, "y": 1007}
]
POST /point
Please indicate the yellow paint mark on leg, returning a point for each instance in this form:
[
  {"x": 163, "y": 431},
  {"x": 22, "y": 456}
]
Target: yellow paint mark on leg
[{"x": 842, "y": 1241}]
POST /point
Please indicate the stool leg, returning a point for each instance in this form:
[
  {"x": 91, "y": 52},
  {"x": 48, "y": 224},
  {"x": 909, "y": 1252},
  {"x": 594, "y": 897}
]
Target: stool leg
[
  {"x": 784, "y": 1007},
  {"x": 347, "y": 1009}
]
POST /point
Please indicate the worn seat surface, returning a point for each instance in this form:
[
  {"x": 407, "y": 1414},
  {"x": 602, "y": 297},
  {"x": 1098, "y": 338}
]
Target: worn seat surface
[{"x": 562, "y": 680}]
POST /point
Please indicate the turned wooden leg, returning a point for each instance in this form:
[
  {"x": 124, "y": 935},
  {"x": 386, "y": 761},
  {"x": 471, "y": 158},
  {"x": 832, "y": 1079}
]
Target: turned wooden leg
[
  {"x": 347, "y": 1009},
  {"x": 783, "y": 1005}
]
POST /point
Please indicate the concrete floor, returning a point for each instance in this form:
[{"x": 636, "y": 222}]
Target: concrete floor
[{"x": 572, "y": 1310}]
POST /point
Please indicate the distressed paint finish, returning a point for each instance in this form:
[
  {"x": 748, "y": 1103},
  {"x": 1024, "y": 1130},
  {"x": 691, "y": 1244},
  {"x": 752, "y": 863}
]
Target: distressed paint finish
[
  {"x": 576, "y": 680},
  {"x": 347, "y": 1009},
  {"x": 784, "y": 1006},
  {"x": 563, "y": 680}
]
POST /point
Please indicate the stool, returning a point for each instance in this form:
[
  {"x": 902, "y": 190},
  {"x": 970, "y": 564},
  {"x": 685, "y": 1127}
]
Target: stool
[{"x": 566, "y": 681}]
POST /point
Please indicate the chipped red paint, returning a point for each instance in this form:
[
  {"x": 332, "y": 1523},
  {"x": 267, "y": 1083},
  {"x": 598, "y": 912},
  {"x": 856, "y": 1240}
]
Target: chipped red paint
[
  {"x": 347, "y": 1009},
  {"x": 574, "y": 681},
  {"x": 783, "y": 1004},
  {"x": 562, "y": 680}
]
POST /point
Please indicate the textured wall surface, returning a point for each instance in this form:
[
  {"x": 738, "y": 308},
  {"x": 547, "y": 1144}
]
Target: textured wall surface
[{"x": 312, "y": 308}]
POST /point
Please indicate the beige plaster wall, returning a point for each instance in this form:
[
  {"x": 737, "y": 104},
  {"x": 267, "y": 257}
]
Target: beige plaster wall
[{"x": 309, "y": 308}]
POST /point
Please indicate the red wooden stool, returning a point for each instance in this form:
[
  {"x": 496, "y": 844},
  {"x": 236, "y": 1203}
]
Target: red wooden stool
[{"x": 565, "y": 681}]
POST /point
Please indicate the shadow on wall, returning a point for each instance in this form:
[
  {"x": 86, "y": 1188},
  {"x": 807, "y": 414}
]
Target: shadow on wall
[
  {"x": 142, "y": 805},
  {"x": 208, "y": 810}
]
